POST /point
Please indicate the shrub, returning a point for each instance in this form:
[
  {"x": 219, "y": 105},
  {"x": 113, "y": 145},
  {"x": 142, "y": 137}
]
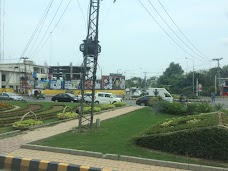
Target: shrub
[
  {"x": 191, "y": 108},
  {"x": 174, "y": 108},
  {"x": 67, "y": 115},
  {"x": 87, "y": 109},
  {"x": 119, "y": 104},
  {"x": 208, "y": 143},
  {"x": 155, "y": 103},
  {"x": 218, "y": 106},
  {"x": 25, "y": 124},
  {"x": 107, "y": 106},
  {"x": 204, "y": 108}
]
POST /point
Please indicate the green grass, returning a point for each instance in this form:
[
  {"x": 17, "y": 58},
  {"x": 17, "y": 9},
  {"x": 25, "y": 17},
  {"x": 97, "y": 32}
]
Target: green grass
[
  {"x": 44, "y": 106},
  {"x": 115, "y": 136},
  {"x": 6, "y": 129}
]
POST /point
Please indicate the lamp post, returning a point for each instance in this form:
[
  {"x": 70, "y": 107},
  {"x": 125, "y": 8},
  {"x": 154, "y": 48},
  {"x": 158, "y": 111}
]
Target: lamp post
[{"x": 193, "y": 75}]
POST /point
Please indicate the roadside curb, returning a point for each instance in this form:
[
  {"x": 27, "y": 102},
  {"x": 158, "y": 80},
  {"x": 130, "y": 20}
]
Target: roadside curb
[
  {"x": 15, "y": 163},
  {"x": 125, "y": 158}
]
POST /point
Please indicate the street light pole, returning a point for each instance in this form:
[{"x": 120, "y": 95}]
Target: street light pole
[
  {"x": 218, "y": 73},
  {"x": 193, "y": 75}
]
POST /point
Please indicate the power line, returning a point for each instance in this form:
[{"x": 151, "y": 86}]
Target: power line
[
  {"x": 35, "y": 53},
  {"x": 39, "y": 32},
  {"x": 110, "y": 7},
  {"x": 37, "y": 27},
  {"x": 46, "y": 30},
  {"x": 181, "y": 30},
  {"x": 82, "y": 13},
  {"x": 164, "y": 30},
  {"x": 173, "y": 30}
]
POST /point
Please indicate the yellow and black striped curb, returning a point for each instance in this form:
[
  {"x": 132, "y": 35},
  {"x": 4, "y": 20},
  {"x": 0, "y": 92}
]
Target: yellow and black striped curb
[
  {"x": 125, "y": 158},
  {"x": 12, "y": 163}
]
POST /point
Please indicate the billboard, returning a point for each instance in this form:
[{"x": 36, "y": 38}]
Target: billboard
[{"x": 113, "y": 82}]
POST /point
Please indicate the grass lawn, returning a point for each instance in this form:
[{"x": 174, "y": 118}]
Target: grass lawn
[
  {"x": 6, "y": 129},
  {"x": 115, "y": 136}
]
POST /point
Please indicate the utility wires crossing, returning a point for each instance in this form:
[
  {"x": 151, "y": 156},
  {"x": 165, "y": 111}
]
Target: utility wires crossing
[{"x": 196, "y": 55}]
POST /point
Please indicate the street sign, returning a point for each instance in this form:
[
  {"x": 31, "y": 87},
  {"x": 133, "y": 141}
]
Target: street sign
[{"x": 200, "y": 87}]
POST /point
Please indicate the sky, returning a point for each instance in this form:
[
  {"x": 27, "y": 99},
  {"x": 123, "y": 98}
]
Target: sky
[{"x": 132, "y": 42}]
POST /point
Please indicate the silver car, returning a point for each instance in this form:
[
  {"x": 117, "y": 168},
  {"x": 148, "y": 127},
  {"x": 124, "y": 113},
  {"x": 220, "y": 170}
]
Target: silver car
[{"x": 11, "y": 96}]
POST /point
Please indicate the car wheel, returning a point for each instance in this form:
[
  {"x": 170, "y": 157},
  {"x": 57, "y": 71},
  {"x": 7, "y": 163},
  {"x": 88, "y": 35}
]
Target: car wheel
[
  {"x": 96, "y": 102},
  {"x": 142, "y": 104},
  {"x": 113, "y": 102},
  {"x": 72, "y": 101},
  {"x": 56, "y": 101}
]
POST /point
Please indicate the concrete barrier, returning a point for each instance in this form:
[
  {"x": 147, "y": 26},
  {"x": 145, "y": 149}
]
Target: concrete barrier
[{"x": 16, "y": 163}]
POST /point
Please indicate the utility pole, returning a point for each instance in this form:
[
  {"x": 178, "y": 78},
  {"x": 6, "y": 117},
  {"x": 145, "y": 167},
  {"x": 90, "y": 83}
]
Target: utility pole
[
  {"x": 218, "y": 73},
  {"x": 145, "y": 82},
  {"x": 90, "y": 49},
  {"x": 197, "y": 84},
  {"x": 25, "y": 72},
  {"x": 193, "y": 75}
]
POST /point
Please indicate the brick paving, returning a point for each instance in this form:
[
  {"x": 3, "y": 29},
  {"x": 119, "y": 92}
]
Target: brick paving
[{"x": 12, "y": 145}]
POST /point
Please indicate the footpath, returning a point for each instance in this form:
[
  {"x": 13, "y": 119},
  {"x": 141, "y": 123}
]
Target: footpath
[{"x": 11, "y": 146}]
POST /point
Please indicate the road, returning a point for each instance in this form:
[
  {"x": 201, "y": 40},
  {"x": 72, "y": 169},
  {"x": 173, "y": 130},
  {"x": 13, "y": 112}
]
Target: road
[
  {"x": 48, "y": 99},
  {"x": 132, "y": 102}
]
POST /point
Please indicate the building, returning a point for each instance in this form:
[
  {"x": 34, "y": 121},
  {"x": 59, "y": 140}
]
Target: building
[
  {"x": 65, "y": 72},
  {"x": 15, "y": 75}
]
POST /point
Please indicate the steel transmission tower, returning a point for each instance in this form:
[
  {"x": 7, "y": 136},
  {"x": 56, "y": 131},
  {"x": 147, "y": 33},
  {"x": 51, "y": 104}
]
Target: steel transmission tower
[{"x": 90, "y": 49}]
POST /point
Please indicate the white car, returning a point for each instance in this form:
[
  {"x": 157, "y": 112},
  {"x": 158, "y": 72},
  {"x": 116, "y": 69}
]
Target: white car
[
  {"x": 106, "y": 98},
  {"x": 11, "y": 96}
]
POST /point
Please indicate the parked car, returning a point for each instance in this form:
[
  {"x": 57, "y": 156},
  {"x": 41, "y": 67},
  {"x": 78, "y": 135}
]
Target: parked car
[
  {"x": 65, "y": 97},
  {"x": 11, "y": 96},
  {"x": 143, "y": 101}
]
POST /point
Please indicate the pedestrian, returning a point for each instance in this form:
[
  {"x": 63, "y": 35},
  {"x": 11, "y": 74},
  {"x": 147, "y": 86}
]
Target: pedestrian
[
  {"x": 29, "y": 93},
  {"x": 213, "y": 97},
  {"x": 35, "y": 93},
  {"x": 181, "y": 99}
]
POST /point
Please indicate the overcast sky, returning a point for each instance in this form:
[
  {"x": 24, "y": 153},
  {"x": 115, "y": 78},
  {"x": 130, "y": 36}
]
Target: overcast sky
[{"x": 132, "y": 42}]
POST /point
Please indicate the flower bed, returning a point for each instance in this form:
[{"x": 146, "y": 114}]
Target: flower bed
[
  {"x": 67, "y": 115},
  {"x": 5, "y": 106},
  {"x": 25, "y": 124}
]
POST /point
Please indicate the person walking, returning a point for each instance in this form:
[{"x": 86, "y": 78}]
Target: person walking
[
  {"x": 213, "y": 97},
  {"x": 29, "y": 93}
]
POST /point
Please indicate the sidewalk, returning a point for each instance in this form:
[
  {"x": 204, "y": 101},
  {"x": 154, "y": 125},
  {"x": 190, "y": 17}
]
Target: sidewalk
[{"x": 11, "y": 146}]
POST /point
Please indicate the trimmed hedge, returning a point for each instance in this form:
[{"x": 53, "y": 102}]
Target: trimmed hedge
[
  {"x": 208, "y": 143},
  {"x": 184, "y": 122}
]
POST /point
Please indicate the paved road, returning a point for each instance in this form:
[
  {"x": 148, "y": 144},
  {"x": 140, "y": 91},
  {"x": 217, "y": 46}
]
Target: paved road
[{"x": 48, "y": 99}]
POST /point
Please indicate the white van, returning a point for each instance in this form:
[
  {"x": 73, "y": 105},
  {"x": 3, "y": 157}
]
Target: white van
[{"x": 162, "y": 92}]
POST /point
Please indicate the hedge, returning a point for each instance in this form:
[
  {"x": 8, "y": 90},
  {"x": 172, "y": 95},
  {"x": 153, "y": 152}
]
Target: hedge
[{"x": 208, "y": 143}]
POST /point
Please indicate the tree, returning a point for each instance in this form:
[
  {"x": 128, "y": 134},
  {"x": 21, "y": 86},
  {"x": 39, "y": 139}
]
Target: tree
[{"x": 173, "y": 78}]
